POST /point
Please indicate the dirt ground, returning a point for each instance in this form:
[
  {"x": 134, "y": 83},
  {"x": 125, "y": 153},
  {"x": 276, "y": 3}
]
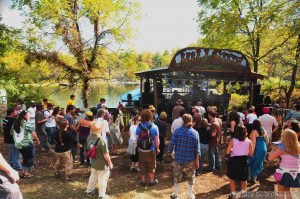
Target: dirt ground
[{"x": 124, "y": 184}]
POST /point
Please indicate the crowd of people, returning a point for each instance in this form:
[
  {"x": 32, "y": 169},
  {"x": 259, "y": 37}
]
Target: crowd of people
[{"x": 196, "y": 135}]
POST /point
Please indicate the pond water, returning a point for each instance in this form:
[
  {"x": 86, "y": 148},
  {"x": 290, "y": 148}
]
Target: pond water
[{"x": 111, "y": 91}]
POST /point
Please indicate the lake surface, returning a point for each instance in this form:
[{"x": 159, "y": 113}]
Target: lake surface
[{"x": 110, "y": 91}]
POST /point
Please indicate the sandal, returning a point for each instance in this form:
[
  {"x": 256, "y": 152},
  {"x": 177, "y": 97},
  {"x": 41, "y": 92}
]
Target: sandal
[{"x": 153, "y": 183}]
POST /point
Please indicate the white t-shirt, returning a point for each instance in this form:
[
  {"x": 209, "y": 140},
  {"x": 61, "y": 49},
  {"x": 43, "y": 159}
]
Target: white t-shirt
[
  {"x": 132, "y": 131},
  {"x": 50, "y": 118},
  {"x": 251, "y": 117},
  {"x": 31, "y": 112},
  {"x": 105, "y": 128},
  {"x": 242, "y": 115},
  {"x": 267, "y": 122},
  {"x": 176, "y": 124}
]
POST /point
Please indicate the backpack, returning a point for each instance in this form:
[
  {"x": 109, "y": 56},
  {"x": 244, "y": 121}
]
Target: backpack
[
  {"x": 91, "y": 152},
  {"x": 144, "y": 140}
]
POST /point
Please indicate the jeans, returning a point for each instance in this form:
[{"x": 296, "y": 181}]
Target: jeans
[
  {"x": 83, "y": 156},
  {"x": 14, "y": 157},
  {"x": 51, "y": 131},
  {"x": 204, "y": 153},
  {"x": 28, "y": 158},
  {"x": 214, "y": 158},
  {"x": 43, "y": 137}
]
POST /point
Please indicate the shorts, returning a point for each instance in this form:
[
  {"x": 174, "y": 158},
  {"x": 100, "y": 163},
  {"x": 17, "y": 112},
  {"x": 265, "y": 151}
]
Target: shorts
[
  {"x": 147, "y": 160},
  {"x": 189, "y": 170}
]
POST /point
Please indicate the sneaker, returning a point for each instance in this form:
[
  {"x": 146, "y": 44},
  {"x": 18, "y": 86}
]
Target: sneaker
[
  {"x": 173, "y": 196},
  {"x": 91, "y": 193},
  {"x": 103, "y": 197},
  {"x": 155, "y": 181},
  {"x": 137, "y": 169},
  {"x": 232, "y": 196},
  {"x": 192, "y": 196},
  {"x": 131, "y": 168}
]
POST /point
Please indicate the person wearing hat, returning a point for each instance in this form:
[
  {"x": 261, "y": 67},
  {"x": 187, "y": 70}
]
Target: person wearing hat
[
  {"x": 268, "y": 121},
  {"x": 162, "y": 129},
  {"x": 50, "y": 124},
  {"x": 83, "y": 129},
  {"x": 177, "y": 108},
  {"x": 152, "y": 109}
]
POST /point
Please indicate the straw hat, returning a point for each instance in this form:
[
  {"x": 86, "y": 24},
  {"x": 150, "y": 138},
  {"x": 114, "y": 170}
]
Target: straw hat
[
  {"x": 151, "y": 108},
  {"x": 179, "y": 102},
  {"x": 89, "y": 113}
]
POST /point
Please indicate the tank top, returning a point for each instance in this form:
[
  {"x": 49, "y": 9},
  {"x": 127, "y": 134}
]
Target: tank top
[
  {"x": 289, "y": 162},
  {"x": 240, "y": 148}
]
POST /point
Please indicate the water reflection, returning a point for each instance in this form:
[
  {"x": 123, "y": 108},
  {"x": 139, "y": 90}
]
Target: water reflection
[{"x": 110, "y": 91}]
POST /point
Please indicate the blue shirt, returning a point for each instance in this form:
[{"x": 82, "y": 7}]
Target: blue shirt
[
  {"x": 186, "y": 143},
  {"x": 153, "y": 133}
]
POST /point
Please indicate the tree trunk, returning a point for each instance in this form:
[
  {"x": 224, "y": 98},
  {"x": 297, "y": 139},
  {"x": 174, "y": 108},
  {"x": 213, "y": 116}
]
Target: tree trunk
[
  {"x": 294, "y": 72},
  {"x": 86, "y": 84}
]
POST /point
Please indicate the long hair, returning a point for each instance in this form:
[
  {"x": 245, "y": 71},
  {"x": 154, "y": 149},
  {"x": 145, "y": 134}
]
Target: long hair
[
  {"x": 18, "y": 122},
  {"x": 257, "y": 126},
  {"x": 115, "y": 113},
  {"x": 240, "y": 133},
  {"x": 56, "y": 110},
  {"x": 63, "y": 123},
  {"x": 290, "y": 141},
  {"x": 234, "y": 116},
  {"x": 187, "y": 120}
]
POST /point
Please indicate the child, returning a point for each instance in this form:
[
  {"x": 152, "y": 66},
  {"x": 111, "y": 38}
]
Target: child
[
  {"x": 288, "y": 173},
  {"x": 132, "y": 149},
  {"x": 64, "y": 141},
  {"x": 239, "y": 148}
]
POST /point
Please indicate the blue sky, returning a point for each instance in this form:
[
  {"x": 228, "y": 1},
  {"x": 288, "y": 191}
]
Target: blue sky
[{"x": 165, "y": 24}]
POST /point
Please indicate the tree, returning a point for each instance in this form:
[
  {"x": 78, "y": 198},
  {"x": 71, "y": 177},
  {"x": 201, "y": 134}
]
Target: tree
[
  {"x": 245, "y": 25},
  {"x": 68, "y": 22}
]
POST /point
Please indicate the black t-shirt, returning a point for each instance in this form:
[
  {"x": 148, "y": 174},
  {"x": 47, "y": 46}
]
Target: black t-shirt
[
  {"x": 67, "y": 139},
  {"x": 7, "y": 125},
  {"x": 162, "y": 128},
  {"x": 204, "y": 134}
]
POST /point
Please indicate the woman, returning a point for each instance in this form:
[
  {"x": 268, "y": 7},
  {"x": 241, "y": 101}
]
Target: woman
[
  {"x": 84, "y": 127},
  {"x": 204, "y": 135},
  {"x": 116, "y": 127},
  {"x": 132, "y": 146},
  {"x": 233, "y": 121},
  {"x": 278, "y": 114},
  {"x": 238, "y": 150},
  {"x": 24, "y": 138},
  {"x": 259, "y": 139},
  {"x": 57, "y": 114},
  {"x": 288, "y": 173}
]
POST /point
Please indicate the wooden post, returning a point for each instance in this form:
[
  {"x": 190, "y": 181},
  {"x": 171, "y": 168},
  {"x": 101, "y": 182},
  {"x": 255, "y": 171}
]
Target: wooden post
[
  {"x": 155, "y": 92},
  {"x": 141, "y": 85},
  {"x": 250, "y": 93}
]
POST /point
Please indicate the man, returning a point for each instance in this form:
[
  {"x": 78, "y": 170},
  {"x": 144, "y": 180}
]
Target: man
[
  {"x": 196, "y": 117},
  {"x": 50, "y": 124},
  {"x": 71, "y": 101},
  {"x": 8, "y": 177},
  {"x": 32, "y": 111},
  {"x": 213, "y": 152},
  {"x": 178, "y": 122},
  {"x": 101, "y": 164},
  {"x": 147, "y": 139},
  {"x": 41, "y": 128},
  {"x": 202, "y": 110},
  {"x": 13, "y": 153},
  {"x": 72, "y": 128},
  {"x": 242, "y": 115},
  {"x": 162, "y": 128},
  {"x": 102, "y": 101},
  {"x": 45, "y": 102},
  {"x": 186, "y": 144},
  {"x": 294, "y": 114},
  {"x": 101, "y": 125},
  {"x": 177, "y": 109},
  {"x": 175, "y": 97},
  {"x": 267, "y": 122},
  {"x": 106, "y": 112}
]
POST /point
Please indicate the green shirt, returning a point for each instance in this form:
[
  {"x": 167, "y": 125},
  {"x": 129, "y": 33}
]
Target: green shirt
[
  {"x": 23, "y": 139},
  {"x": 98, "y": 163}
]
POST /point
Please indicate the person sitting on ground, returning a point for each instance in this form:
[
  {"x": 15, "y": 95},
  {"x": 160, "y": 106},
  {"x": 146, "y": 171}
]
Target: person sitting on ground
[
  {"x": 71, "y": 101},
  {"x": 147, "y": 139},
  {"x": 101, "y": 163},
  {"x": 185, "y": 142},
  {"x": 8, "y": 176},
  {"x": 63, "y": 143},
  {"x": 288, "y": 173},
  {"x": 24, "y": 138},
  {"x": 132, "y": 145},
  {"x": 238, "y": 150},
  {"x": 83, "y": 129}
]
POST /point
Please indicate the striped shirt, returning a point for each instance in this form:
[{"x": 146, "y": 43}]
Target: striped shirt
[
  {"x": 24, "y": 138},
  {"x": 186, "y": 143}
]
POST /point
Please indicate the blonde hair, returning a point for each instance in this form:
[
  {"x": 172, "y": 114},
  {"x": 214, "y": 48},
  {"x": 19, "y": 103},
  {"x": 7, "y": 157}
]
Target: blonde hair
[
  {"x": 187, "y": 120},
  {"x": 290, "y": 141}
]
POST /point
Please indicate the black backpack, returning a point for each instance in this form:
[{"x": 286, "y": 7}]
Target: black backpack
[{"x": 144, "y": 140}]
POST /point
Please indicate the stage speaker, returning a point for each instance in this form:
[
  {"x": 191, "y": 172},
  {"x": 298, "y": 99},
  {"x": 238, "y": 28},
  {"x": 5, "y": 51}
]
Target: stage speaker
[
  {"x": 258, "y": 99},
  {"x": 256, "y": 89},
  {"x": 147, "y": 87}
]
